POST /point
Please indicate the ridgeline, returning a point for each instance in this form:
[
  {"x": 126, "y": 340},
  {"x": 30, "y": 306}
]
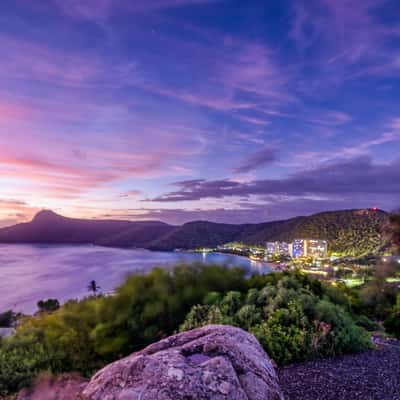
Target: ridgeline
[{"x": 349, "y": 232}]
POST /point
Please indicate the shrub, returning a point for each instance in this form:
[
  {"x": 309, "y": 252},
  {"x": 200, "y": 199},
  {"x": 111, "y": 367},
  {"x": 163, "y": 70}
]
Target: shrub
[
  {"x": 292, "y": 317},
  {"x": 392, "y": 322},
  {"x": 48, "y": 305}
]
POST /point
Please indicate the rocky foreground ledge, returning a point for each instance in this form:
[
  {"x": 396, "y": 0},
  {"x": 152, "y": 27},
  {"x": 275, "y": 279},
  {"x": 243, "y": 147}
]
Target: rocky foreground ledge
[{"x": 214, "y": 362}]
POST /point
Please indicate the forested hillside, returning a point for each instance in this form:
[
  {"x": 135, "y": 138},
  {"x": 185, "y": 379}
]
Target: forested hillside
[{"x": 350, "y": 232}]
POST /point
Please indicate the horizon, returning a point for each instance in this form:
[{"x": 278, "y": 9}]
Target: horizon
[{"x": 188, "y": 110}]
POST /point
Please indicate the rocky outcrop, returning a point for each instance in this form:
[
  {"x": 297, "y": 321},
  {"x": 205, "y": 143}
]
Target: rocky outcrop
[{"x": 214, "y": 362}]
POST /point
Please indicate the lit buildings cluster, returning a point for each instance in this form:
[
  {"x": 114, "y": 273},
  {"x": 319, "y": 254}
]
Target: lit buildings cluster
[
  {"x": 312, "y": 248},
  {"x": 278, "y": 248}
]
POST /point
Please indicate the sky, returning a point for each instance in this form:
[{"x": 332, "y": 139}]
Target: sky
[{"x": 178, "y": 110}]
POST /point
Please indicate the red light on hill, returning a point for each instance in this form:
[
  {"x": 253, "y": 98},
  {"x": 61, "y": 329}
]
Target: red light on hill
[{"x": 374, "y": 208}]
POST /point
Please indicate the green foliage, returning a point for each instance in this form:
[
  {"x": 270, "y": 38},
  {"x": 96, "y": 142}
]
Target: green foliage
[
  {"x": 294, "y": 317},
  {"x": 377, "y": 296},
  {"x": 367, "y": 323},
  {"x": 48, "y": 305},
  {"x": 21, "y": 361},
  {"x": 285, "y": 335},
  {"x": 147, "y": 308},
  {"x": 392, "y": 322}
]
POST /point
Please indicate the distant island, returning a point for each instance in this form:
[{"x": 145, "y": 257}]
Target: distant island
[{"x": 348, "y": 232}]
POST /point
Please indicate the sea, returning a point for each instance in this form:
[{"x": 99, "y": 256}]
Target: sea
[{"x": 29, "y": 273}]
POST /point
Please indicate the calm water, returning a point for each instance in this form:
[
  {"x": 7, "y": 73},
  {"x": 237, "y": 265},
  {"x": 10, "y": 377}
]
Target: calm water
[{"x": 29, "y": 273}]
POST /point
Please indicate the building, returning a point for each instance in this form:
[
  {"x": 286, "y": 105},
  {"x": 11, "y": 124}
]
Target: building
[
  {"x": 277, "y": 248},
  {"x": 314, "y": 248},
  {"x": 272, "y": 248},
  {"x": 298, "y": 248},
  {"x": 284, "y": 249}
]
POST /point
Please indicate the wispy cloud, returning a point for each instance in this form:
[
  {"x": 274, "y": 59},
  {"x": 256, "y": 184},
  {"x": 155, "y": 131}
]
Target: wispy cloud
[
  {"x": 349, "y": 39},
  {"x": 100, "y": 10},
  {"x": 257, "y": 160}
]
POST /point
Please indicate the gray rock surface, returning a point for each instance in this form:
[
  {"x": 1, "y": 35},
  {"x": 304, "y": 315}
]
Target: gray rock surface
[{"x": 214, "y": 362}]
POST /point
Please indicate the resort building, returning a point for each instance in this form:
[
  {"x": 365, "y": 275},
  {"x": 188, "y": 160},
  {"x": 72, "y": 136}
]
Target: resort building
[
  {"x": 277, "y": 248},
  {"x": 314, "y": 248}
]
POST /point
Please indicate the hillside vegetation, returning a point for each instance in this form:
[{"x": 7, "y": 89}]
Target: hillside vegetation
[{"x": 349, "y": 232}]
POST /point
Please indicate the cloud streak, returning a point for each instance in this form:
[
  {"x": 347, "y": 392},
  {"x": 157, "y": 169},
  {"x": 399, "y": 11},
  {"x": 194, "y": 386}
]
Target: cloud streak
[
  {"x": 359, "y": 176},
  {"x": 257, "y": 160}
]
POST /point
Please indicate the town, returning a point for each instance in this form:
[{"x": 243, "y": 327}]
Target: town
[{"x": 312, "y": 257}]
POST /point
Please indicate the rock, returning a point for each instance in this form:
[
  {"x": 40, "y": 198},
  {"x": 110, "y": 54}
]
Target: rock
[
  {"x": 214, "y": 362},
  {"x": 62, "y": 387}
]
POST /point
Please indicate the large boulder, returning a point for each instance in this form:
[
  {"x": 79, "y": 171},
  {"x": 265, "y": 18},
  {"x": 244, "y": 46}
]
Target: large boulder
[{"x": 214, "y": 362}]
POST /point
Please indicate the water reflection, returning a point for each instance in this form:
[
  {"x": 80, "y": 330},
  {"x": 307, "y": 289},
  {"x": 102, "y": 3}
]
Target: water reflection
[{"x": 29, "y": 273}]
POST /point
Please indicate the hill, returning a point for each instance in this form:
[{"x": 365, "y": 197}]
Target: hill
[
  {"x": 49, "y": 227},
  {"x": 350, "y": 232}
]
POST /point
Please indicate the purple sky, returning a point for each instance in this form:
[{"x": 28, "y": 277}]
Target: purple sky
[{"x": 232, "y": 111}]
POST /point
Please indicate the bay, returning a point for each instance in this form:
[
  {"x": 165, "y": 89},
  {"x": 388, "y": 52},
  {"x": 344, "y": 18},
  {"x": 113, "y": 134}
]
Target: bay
[{"x": 29, "y": 273}]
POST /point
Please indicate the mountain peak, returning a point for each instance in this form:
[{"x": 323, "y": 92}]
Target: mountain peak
[{"x": 45, "y": 215}]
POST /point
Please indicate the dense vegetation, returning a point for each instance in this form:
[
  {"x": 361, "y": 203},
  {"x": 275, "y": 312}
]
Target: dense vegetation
[
  {"x": 348, "y": 232},
  {"x": 293, "y": 316}
]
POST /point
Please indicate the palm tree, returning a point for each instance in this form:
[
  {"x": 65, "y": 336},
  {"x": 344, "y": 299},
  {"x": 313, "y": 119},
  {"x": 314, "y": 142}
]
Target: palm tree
[{"x": 93, "y": 287}]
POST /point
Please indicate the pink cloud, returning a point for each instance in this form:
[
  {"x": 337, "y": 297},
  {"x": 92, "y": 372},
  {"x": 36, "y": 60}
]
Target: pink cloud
[
  {"x": 254, "y": 120},
  {"x": 28, "y": 61},
  {"x": 10, "y": 112},
  {"x": 14, "y": 211}
]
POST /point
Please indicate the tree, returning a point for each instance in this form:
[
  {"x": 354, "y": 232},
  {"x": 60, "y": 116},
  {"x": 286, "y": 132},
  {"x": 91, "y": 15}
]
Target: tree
[
  {"x": 392, "y": 323},
  {"x": 93, "y": 287},
  {"x": 7, "y": 319},
  {"x": 48, "y": 305}
]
